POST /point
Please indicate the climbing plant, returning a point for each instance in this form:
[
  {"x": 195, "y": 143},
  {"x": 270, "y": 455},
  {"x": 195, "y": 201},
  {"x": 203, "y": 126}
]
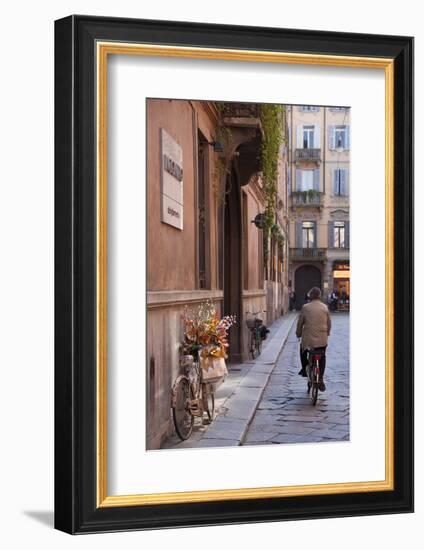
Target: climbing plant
[
  {"x": 278, "y": 234},
  {"x": 272, "y": 117},
  {"x": 223, "y": 135}
]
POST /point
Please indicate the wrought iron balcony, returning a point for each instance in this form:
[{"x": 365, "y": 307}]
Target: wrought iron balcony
[
  {"x": 240, "y": 110},
  {"x": 307, "y": 155},
  {"x": 306, "y": 198},
  {"x": 308, "y": 254}
]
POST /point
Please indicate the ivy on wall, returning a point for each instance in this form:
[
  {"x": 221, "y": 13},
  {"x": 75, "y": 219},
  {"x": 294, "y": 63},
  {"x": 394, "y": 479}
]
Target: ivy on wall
[
  {"x": 224, "y": 136},
  {"x": 277, "y": 234},
  {"x": 272, "y": 122},
  {"x": 271, "y": 117}
]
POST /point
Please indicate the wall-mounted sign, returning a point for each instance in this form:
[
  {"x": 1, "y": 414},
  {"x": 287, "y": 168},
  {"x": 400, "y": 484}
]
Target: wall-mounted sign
[
  {"x": 341, "y": 265},
  {"x": 341, "y": 274},
  {"x": 171, "y": 171}
]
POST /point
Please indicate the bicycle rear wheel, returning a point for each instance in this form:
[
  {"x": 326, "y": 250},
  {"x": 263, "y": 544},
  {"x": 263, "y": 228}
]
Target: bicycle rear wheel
[
  {"x": 181, "y": 412},
  {"x": 315, "y": 383},
  {"x": 253, "y": 348},
  {"x": 314, "y": 393},
  {"x": 258, "y": 343}
]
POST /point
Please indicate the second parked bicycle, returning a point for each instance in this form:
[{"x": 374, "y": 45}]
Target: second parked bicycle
[{"x": 258, "y": 332}]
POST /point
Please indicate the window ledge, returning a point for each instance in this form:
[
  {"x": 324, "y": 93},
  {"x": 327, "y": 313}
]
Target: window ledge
[{"x": 164, "y": 298}]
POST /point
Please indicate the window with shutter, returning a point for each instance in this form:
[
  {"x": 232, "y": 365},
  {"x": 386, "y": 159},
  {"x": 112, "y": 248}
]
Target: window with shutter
[
  {"x": 305, "y": 180},
  {"x": 308, "y": 235},
  {"x": 308, "y": 137},
  {"x": 341, "y": 137},
  {"x": 339, "y": 238}
]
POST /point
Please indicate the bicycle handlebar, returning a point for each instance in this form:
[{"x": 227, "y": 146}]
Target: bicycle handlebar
[{"x": 256, "y": 312}]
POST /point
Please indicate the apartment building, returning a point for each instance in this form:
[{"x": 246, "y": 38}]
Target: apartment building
[{"x": 319, "y": 184}]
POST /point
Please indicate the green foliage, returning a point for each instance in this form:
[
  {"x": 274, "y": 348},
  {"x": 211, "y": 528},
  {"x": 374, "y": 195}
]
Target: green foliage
[
  {"x": 309, "y": 194},
  {"x": 224, "y": 135},
  {"x": 277, "y": 233},
  {"x": 271, "y": 117}
]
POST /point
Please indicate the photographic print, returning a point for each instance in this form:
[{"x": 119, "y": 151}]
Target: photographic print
[
  {"x": 248, "y": 274},
  {"x": 212, "y": 267}
]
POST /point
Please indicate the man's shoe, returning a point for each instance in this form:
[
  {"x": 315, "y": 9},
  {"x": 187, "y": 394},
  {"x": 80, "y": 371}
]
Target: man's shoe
[
  {"x": 302, "y": 372},
  {"x": 321, "y": 386}
]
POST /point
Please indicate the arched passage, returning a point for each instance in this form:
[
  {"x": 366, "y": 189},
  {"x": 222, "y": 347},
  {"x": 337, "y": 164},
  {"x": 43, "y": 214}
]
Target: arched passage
[{"x": 305, "y": 277}]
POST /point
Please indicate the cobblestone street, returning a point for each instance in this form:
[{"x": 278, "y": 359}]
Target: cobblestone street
[{"x": 285, "y": 413}]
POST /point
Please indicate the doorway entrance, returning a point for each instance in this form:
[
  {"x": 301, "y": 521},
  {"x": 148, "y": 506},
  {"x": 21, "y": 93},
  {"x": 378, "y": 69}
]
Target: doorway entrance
[
  {"x": 232, "y": 276},
  {"x": 305, "y": 277}
]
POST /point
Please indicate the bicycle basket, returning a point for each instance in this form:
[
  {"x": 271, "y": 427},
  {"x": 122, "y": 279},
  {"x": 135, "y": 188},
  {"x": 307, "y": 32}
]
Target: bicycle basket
[
  {"x": 250, "y": 323},
  {"x": 212, "y": 368}
]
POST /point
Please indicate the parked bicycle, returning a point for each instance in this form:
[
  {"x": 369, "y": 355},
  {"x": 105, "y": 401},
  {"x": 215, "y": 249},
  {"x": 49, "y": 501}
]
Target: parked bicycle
[
  {"x": 191, "y": 396},
  {"x": 258, "y": 332},
  {"x": 313, "y": 372}
]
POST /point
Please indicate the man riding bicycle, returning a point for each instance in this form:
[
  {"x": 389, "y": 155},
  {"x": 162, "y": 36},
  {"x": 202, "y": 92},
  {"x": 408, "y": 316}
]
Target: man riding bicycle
[{"x": 313, "y": 327}]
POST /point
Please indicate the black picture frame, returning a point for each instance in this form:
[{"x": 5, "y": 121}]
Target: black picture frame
[{"x": 76, "y": 509}]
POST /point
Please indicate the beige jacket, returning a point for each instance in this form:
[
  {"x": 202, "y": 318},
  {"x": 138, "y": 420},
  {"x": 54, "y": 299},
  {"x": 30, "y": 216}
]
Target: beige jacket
[{"x": 314, "y": 325}]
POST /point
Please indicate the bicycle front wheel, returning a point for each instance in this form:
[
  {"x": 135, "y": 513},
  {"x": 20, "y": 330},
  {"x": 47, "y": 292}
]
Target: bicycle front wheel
[
  {"x": 208, "y": 401},
  {"x": 181, "y": 412}
]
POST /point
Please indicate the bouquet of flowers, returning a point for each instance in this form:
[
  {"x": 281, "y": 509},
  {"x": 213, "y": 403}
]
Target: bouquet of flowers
[{"x": 205, "y": 331}]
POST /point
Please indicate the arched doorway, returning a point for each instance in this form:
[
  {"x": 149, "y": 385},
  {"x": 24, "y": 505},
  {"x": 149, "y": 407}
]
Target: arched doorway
[
  {"x": 305, "y": 277},
  {"x": 233, "y": 264}
]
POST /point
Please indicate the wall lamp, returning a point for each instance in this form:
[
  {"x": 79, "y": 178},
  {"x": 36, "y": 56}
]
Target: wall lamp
[
  {"x": 259, "y": 221},
  {"x": 217, "y": 146}
]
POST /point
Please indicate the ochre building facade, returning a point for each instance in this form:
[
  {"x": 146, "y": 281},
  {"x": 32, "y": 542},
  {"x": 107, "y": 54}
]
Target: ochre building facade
[
  {"x": 203, "y": 195},
  {"x": 319, "y": 187}
]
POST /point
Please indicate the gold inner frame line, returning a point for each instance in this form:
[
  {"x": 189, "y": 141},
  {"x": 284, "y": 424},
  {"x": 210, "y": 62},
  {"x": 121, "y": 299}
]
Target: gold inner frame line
[{"x": 103, "y": 50}]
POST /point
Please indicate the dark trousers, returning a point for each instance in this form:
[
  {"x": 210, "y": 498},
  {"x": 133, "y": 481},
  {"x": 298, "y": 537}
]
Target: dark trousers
[{"x": 304, "y": 359}]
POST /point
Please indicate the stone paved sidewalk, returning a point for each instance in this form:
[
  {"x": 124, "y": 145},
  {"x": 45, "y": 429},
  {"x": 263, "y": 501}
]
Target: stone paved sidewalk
[
  {"x": 285, "y": 413},
  {"x": 237, "y": 398}
]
